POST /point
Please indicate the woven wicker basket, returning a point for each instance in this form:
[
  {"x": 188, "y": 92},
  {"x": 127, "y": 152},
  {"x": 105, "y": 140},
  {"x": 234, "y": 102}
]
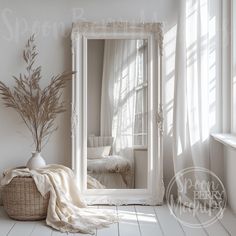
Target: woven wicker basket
[{"x": 22, "y": 200}]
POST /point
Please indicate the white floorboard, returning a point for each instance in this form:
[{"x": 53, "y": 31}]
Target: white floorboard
[
  {"x": 187, "y": 217},
  {"x": 80, "y": 234},
  {"x": 112, "y": 230},
  {"x": 229, "y": 222},
  {"x": 170, "y": 226},
  {"x": 135, "y": 221},
  {"x": 22, "y": 228},
  {"x": 214, "y": 229},
  {"x": 5, "y": 224},
  {"x": 57, "y": 233},
  {"x": 148, "y": 221},
  {"x": 128, "y": 225},
  {"x": 41, "y": 229}
]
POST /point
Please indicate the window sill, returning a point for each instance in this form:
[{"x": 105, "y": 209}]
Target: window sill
[{"x": 228, "y": 140}]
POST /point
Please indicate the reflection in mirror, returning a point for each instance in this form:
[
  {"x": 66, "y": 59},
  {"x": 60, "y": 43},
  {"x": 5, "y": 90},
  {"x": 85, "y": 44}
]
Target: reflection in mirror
[{"x": 117, "y": 113}]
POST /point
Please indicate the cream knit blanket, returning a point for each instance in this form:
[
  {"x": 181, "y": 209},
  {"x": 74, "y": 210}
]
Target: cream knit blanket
[{"x": 67, "y": 212}]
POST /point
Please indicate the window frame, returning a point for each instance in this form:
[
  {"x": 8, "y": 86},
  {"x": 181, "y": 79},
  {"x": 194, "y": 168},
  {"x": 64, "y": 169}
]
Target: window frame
[{"x": 143, "y": 49}]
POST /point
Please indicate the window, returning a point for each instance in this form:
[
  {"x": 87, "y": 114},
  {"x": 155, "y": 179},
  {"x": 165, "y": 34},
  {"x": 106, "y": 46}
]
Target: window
[{"x": 141, "y": 109}]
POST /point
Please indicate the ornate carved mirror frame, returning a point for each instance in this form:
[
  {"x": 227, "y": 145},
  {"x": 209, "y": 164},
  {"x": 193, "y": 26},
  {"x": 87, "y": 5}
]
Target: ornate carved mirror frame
[{"x": 152, "y": 32}]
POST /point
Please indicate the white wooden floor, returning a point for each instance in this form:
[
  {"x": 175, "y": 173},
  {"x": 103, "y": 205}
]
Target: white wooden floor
[{"x": 136, "y": 221}]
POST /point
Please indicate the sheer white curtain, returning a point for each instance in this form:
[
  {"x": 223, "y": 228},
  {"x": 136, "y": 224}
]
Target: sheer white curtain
[
  {"x": 197, "y": 84},
  {"x": 119, "y": 94}
]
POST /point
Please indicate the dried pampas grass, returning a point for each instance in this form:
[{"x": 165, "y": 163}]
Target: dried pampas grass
[{"x": 37, "y": 107}]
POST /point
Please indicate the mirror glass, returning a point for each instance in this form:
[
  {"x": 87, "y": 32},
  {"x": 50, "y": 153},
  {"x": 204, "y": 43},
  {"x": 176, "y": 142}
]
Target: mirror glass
[{"x": 117, "y": 113}]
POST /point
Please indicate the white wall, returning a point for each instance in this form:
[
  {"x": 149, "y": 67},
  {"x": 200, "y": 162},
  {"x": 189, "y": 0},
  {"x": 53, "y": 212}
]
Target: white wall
[
  {"x": 234, "y": 35},
  {"x": 234, "y": 68},
  {"x": 140, "y": 168},
  {"x": 94, "y": 85},
  {"x": 229, "y": 153},
  {"x": 229, "y": 176},
  {"x": 51, "y": 20}
]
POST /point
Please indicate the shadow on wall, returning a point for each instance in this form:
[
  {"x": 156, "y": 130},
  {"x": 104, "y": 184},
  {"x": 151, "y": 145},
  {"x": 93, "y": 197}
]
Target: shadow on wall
[{"x": 168, "y": 101}]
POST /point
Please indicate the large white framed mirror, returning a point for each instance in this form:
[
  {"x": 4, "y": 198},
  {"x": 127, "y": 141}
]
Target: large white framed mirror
[{"x": 117, "y": 112}]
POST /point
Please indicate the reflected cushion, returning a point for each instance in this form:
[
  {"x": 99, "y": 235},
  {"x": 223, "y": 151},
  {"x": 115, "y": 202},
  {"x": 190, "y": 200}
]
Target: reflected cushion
[{"x": 98, "y": 152}]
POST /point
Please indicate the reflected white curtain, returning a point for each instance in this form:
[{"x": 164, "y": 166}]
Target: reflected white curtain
[
  {"x": 119, "y": 94},
  {"x": 197, "y": 85}
]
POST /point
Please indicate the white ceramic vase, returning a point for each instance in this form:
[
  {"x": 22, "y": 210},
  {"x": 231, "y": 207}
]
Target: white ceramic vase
[{"x": 36, "y": 161}]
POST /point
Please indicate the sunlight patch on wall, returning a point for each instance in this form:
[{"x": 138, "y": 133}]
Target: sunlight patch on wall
[
  {"x": 192, "y": 44},
  {"x": 212, "y": 72},
  {"x": 204, "y": 86},
  {"x": 201, "y": 69},
  {"x": 169, "y": 45}
]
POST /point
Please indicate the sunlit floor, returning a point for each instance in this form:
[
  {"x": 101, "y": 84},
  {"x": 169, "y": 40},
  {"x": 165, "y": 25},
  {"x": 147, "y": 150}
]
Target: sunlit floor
[{"x": 135, "y": 221}]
